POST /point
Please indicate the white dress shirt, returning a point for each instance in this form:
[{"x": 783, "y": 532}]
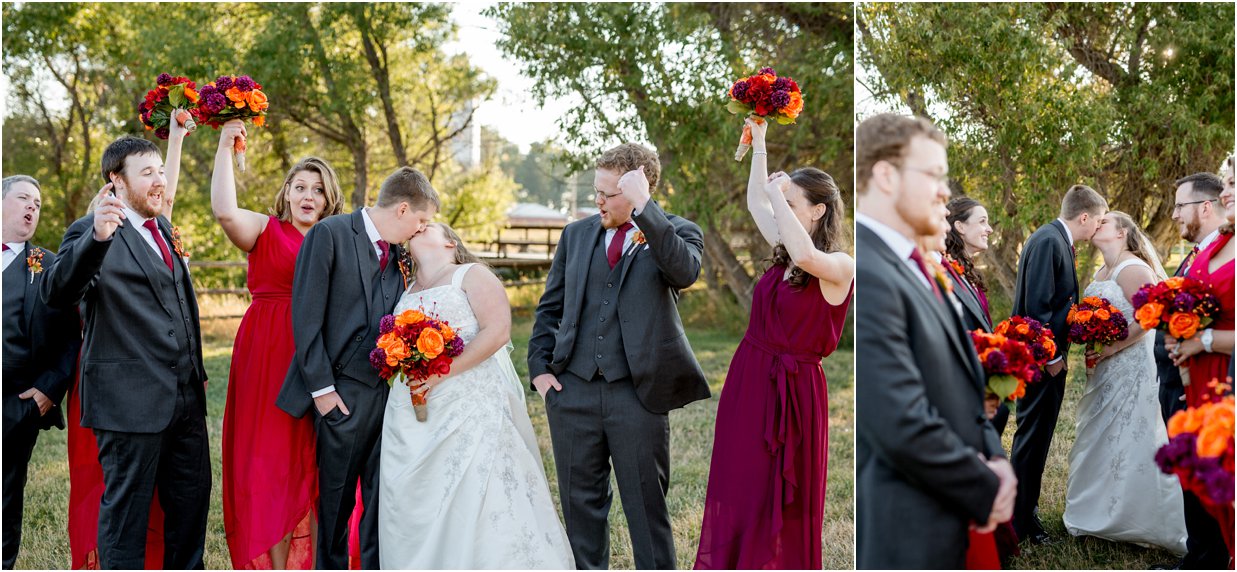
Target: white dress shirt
[
  {"x": 137, "y": 221},
  {"x": 631, "y": 233},
  {"x": 901, "y": 246},
  {"x": 374, "y": 237},
  {"x": 15, "y": 249}
]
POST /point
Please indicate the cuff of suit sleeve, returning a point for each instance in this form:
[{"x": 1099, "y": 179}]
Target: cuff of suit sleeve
[
  {"x": 321, "y": 392},
  {"x": 1055, "y": 360}
]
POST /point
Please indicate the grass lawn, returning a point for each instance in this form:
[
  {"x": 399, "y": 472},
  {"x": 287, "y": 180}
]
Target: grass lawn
[
  {"x": 1071, "y": 553},
  {"x": 45, "y": 542}
]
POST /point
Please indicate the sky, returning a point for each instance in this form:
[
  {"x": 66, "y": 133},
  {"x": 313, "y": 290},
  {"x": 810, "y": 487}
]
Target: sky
[{"x": 512, "y": 111}]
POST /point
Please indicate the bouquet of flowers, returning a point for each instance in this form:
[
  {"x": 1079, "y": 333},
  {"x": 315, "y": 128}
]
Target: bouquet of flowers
[
  {"x": 764, "y": 96},
  {"x": 1200, "y": 453},
  {"x": 412, "y": 346},
  {"x": 233, "y": 97},
  {"x": 170, "y": 98},
  {"x": 1032, "y": 333},
  {"x": 1096, "y": 323},
  {"x": 1180, "y": 306},
  {"x": 1008, "y": 362}
]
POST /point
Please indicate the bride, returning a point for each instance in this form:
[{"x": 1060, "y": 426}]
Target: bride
[
  {"x": 1115, "y": 491},
  {"x": 466, "y": 487}
]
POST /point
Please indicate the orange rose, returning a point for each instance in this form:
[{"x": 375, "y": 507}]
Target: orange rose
[
  {"x": 1148, "y": 316},
  {"x": 447, "y": 333},
  {"x": 1102, "y": 314},
  {"x": 395, "y": 348},
  {"x": 1183, "y": 325},
  {"x": 1188, "y": 421},
  {"x": 1073, "y": 313},
  {"x": 259, "y": 121},
  {"x": 409, "y": 317},
  {"x": 795, "y": 107},
  {"x": 430, "y": 343},
  {"x": 1050, "y": 347},
  {"x": 258, "y": 101},
  {"x": 1082, "y": 316},
  {"x": 191, "y": 95},
  {"x": 1175, "y": 282},
  {"x": 1213, "y": 440},
  {"x": 1023, "y": 329},
  {"x": 1093, "y": 301},
  {"x": 236, "y": 96},
  {"x": 1001, "y": 328}
]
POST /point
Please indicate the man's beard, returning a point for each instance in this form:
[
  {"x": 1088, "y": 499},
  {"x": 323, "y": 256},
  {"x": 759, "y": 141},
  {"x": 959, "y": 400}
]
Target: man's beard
[
  {"x": 138, "y": 202},
  {"x": 1192, "y": 229}
]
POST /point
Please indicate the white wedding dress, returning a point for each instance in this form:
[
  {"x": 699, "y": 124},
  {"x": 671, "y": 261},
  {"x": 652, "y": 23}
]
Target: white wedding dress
[
  {"x": 1115, "y": 490},
  {"x": 466, "y": 488}
]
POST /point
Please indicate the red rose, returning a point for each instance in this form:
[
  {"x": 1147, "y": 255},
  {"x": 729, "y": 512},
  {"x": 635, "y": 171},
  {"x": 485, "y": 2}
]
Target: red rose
[{"x": 440, "y": 366}]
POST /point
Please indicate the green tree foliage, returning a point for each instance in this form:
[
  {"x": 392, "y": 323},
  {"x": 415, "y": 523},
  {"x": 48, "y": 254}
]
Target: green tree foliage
[
  {"x": 1124, "y": 97},
  {"x": 659, "y": 73}
]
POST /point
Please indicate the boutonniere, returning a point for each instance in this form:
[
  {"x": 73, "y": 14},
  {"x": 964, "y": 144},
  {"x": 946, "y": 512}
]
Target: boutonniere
[
  {"x": 35, "y": 262},
  {"x": 956, "y": 265},
  {"x": 405, "y": 266},
  {"x": 638, "y": 238},
  {"x": 178, "y": 245},
  {"x": 938, "y": 272}
]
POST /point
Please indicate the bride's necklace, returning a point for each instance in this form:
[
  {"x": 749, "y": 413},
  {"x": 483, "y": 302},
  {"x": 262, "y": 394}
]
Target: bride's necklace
[{"x": 427, "y": 284}]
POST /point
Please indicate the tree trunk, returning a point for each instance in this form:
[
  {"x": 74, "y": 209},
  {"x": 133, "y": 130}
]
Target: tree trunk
[
  {"x": 376, "y": 55},
  {"x": 733, "y": 274}
]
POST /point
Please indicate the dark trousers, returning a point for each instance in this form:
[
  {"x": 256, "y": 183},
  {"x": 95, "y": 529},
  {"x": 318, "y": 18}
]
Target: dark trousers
[
  {"x": 348, "y": 450},
  {"x": 1171, "y": 394},
  {"x": 1037, "y": 418},
  {"x": 176, "y": 463},
  {"x": 1001, "y": 419},
  {"x": 21, "y": 431},
  {"x": 593, "y": 424}
]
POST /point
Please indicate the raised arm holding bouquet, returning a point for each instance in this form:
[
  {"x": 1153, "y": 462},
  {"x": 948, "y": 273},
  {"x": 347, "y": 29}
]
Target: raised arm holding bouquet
[
  {"x": 233, "y": 97},
  {"x": 764, "y": 96}
]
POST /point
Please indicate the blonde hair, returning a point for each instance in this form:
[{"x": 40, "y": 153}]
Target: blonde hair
[
  {"x": 330, "y": 186},
  {"x": 1082, "y": 199},
  {"x": 1134, "y": 237},
  {"x": 629, "y": 157}
]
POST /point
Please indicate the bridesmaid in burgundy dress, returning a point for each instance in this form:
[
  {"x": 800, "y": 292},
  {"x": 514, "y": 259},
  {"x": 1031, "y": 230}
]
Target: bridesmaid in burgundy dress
[
  {"x": 269, "y": 474},
  {"x": 766, "y": 497}
]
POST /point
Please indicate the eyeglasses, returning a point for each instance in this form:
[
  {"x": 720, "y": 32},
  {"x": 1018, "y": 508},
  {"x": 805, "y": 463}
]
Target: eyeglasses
[
  {"x": 1179, "y": 206},
  {"x": 601, "y": 195},
  {"x": 941, "y": 178}
]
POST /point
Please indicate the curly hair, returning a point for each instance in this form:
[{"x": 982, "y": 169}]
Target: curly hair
[
  {"x": 629, "y": 157},
  {"x": 829, "y": 232},
  {"x": 960, "y": 211}
]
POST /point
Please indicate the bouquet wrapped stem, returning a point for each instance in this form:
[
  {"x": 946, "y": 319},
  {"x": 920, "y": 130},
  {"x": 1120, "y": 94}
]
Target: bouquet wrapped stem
[{"x": 233, "y": 97}]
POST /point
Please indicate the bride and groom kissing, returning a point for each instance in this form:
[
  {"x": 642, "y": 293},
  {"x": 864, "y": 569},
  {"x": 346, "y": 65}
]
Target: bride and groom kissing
[
  {"x": 929, "y": 464},
  {"x": 466, "y": 488}
]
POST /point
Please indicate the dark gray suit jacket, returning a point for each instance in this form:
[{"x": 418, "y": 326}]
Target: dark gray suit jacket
[
  {"x": 54, "y": 336},
  {"x": 973, "y": 315},
  {"x": 920, "y": 420},
  {"x": 663, "y": 367},
  {"x": 129, "y": 377},
  {"x": 332, "y": 309},
  {"x": 1047, "y": 281}
]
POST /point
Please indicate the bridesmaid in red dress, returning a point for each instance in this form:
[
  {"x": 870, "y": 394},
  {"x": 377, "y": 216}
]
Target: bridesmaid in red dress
[
  {"x": 269, "y": 475},
  {"x": 765, "y": 504},
  {"x": 1211, "y": 359},
  {"x": 85, "y": 472}
]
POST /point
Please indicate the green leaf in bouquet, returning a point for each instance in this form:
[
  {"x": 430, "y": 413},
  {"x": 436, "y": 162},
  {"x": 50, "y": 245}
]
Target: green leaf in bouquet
[
  {"x": 160, "y": 117},
  {"x": 738, "y": 108},
  {"x": 1003, "y": 385},
  {"x": 176, "y": 95},
  {"x": 783, "y": 120}
]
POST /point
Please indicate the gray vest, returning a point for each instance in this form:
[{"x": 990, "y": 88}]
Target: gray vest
[
  {"x": 16, "y": 338},
  {"x": 599, "y": 342},
  {"x": 175, "y": 289},
  {"x": 356, "y": 362}
]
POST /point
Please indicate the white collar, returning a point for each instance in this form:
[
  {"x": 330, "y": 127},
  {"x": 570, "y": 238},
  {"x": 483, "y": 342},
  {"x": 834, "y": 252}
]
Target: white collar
[
  {"x": 16, "y": 247},
  {"x": 370, "y": 229},
  {"x": 1203, "y": 244},
  {"x": 896, "y": 241},
  {"x": 133, "y": 215},
  {"x": 1068, "y": 235}
]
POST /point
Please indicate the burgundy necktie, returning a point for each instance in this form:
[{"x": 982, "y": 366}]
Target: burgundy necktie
[
  {"x": 1185, "y": 264},
  {"x": 385, "y": 247},
  {"x": 615, "y": 249},
  {"x": 918, "y": 258},
  {"x": 1073, "y": 252},
  {"x": 163, "y": 247},
  {"x": 6, "y": 248}
]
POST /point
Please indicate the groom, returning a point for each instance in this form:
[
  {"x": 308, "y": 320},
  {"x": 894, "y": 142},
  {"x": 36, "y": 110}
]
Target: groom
[
  {"x": 609, "y": 356},
  {"x": 928, "y": 462},
  {"x": 1046, "y": 288},
  {"x": 347, "y": 278}
]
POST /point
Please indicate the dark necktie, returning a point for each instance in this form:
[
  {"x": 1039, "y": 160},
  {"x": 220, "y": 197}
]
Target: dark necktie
[
  {"x": 163, "y": 247},
  {"x": 6, "y": 248},
  {"x": 918, "y": 258},
  {"x": 385, "y": 247},
  {"x": 1185, "y": 264},
  {"x": 615, "y": 249},
  {"x": 1073, "y": 252}
]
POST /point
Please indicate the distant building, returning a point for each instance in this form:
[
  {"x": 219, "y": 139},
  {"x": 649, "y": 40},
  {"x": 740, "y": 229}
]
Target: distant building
[{"x": 532, "y": 214}]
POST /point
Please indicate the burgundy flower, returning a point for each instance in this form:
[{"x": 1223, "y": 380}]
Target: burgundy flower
[
  {"x": 769, "y": 71},
  {"x": 779, "y": 99},
  {"x": 244, "y": 83},
  {"x": 378, "y": 358},
  {"x": 739, "y": 90},
  {"x": 386, "y": 324},
  {"x": 162, "y": 133},
  {"x": 223, "y": 82},
  {"x": 164, "y": 79}
]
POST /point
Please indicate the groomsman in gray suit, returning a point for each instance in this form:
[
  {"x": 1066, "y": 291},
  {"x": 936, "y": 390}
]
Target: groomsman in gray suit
[
  {"x": 40, "y": 349},
  {"x": 609, "y": 356}
]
